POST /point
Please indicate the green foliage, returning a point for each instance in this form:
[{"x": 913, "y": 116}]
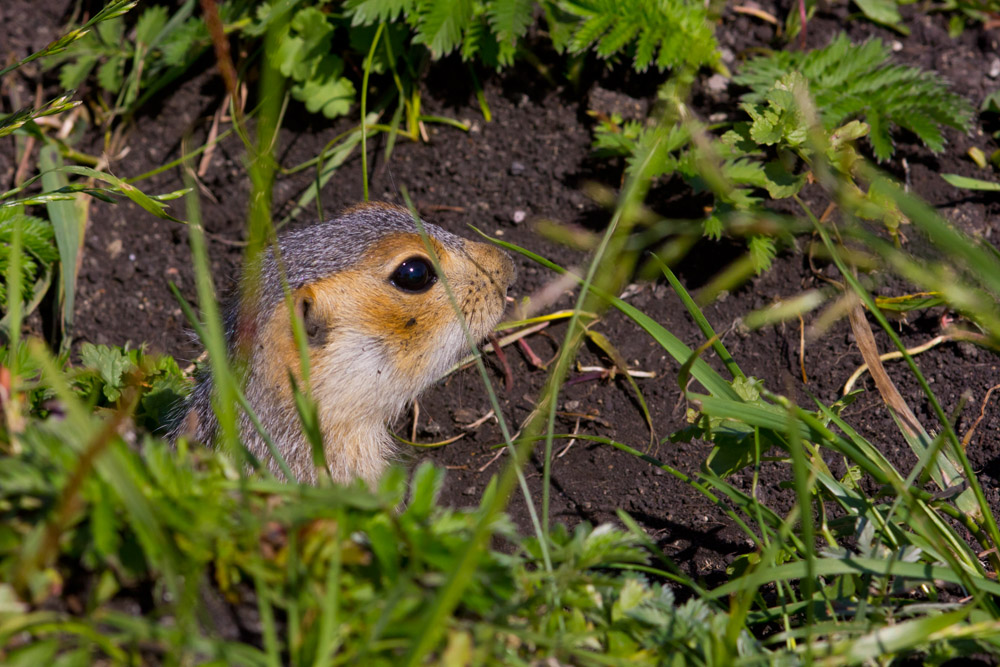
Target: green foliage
[
  {"x": 488, "y": 30},
  {"x": 11, "y": 122},
  {"x": 115, "y": 374},
  {"x": 665, "y": 33},
  {"x": 38, "y": 250},
  {"x": 848, "y": 81},
  {"x": 305, "y": 54},
  {"x": 351, "y": 571},
  {"x": 132, "y": 64},
  {"x": 728, "y": 170}
]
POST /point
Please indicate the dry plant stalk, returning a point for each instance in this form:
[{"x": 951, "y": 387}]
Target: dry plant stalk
[{"x": 869, "y": 351}]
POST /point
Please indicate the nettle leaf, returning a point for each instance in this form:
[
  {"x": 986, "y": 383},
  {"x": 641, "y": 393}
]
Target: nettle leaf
[
  {"x": 308, "y": 41},
  {"x": 304, "y": 54},
  {"x": 766, "y": 126}
]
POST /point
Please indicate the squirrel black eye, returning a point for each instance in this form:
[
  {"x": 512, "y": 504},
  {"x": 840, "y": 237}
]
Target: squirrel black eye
[{"x": 414, "y": 275}]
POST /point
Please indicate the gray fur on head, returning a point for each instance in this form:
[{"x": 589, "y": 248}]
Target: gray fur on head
[{"x": 346, "y": 244}]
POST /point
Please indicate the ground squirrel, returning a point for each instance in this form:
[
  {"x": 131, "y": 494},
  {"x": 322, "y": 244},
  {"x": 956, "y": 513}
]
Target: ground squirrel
[{"x": 379, "y": 325}]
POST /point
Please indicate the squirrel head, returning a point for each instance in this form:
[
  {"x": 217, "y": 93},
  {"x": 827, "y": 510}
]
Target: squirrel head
[{"x": 379, "y": 323}]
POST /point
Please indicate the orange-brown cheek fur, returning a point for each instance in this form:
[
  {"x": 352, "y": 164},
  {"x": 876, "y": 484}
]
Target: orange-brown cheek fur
[{"x": 405, "y": 326}]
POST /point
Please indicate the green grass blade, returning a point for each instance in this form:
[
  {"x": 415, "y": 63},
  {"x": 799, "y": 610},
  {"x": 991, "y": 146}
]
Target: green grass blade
[
  {"x": 676, "y": 348},
  {"x": 69, "y": 221},
  {"x": 700, "y": 320}
]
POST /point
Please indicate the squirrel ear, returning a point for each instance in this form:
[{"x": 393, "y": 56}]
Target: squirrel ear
[{"x": 313, "y": 323}]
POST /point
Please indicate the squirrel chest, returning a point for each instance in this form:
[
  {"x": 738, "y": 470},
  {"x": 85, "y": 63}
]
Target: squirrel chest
[{"x": 379, "y": 324}]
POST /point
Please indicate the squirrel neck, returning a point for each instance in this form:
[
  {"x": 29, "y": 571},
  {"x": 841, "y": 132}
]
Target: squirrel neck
[{"x": 356, "y": 394}]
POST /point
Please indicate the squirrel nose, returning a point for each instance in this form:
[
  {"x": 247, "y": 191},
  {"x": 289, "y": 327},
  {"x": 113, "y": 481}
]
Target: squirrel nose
[{"x": 496, "y": 263}]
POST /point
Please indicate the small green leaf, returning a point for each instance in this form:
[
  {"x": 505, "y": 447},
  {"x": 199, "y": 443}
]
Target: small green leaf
[
  {"x": 426, "y": 486},
  {"x": 333, "y": 96},
  {"x": 991, "y": 102},
  {"x": 111, "y": 363},
  {"x": 111, "y": 74},
  {"x": 882, "y": 11},
  {"x": 150, "y": 24},
  {"x": 780, "y": 182}
]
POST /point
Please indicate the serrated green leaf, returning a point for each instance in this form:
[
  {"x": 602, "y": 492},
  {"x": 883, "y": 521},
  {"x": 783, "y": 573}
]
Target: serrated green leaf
[
  {"x": 111, "y": 364},
  {"x": 331, "y": 94},
  {"x": 74, "y": 73},
  {"x": 368, "y": 12},
  {"x": 509, "y": 19},
  {"x": 110, "y": 75},
  {"x": 111, "y": 32},
  {"x": 848, "y": 81},
  {"x": 762, "y": 251},
  {"x": 185, "y": 42},
  {"x": 780, "y": 182},
  {"x": 150, "y": 24},
  {"x": 442, "y": 24}
]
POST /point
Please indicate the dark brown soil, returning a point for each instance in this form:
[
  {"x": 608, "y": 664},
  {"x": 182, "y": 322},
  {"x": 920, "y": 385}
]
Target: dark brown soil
[{"x": 532, "y": 161}]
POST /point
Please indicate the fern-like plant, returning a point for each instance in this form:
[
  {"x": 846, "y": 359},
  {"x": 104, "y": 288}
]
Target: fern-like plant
[
  {"x": 664, "y": 33},
  {"x": 486, "y": 30},
  {"x": 849, "y": 81},
  {"x": 38, "y": 252}
]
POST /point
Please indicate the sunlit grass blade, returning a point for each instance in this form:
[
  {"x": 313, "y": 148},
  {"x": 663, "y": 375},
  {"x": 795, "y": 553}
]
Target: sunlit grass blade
[
  {"x": 699, "y": 317},
  {"x": 69, "y": 219},
  {"x": 676, "y": 348}
]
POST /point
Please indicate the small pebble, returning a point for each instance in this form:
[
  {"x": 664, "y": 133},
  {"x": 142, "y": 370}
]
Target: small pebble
[
  {"x": 516, "y": 168},
  {"x": 131, "y": 257},
  {"x": 994, "y": 70},
  {"x": 519, "y": 217},
  {"x": 717, "y": 83},
  {"x": 897, "y": 46}
]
